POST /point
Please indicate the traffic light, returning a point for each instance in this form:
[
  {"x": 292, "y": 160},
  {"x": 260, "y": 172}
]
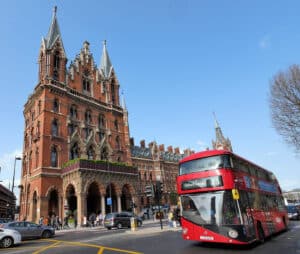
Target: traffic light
[
  {"x": 149, "y": 191},
  {"x": 161, "y": 187}
]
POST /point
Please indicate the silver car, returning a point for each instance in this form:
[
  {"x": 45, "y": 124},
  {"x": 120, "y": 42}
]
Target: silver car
[
  {"x": 9, "y": 237},
  {"x": 29, "y": 230}
]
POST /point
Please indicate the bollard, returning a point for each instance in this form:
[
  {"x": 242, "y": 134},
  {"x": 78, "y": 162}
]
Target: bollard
[{"x": 133, "y": 224}]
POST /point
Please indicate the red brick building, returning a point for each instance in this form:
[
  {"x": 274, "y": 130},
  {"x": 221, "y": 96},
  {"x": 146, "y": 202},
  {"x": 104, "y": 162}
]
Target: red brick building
[{"x": 77, "y": 155}]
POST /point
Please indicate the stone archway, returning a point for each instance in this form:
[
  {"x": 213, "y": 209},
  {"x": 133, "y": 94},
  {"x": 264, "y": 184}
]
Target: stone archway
[
  {"x": 93, "y": 199},
  {"x": 34, "y": 207},
  {"x": 111, "y": 199},
  {"x": 53, "y": 203},
  {"x": 126, "y": 198},
  {"x": 71, "y": 197}
]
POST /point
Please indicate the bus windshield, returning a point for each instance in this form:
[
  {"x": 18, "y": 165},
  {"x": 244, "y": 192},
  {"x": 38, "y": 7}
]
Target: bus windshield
[
  {"x": 208, "y": 163},
  {"x": 210, "y": 208}
]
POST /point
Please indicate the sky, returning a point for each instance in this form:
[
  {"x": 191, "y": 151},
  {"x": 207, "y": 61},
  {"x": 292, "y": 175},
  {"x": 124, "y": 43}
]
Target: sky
[{"x": 177, "y": 62}]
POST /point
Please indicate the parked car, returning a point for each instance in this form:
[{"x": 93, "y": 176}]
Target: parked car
[
  {"x": 5, "y": 220},
  {"x": 121, "y": 220},
  {"x": 29, "y": 230},
  {"x": 293, "y": 212},
  {"x": 9, "y": 237}
]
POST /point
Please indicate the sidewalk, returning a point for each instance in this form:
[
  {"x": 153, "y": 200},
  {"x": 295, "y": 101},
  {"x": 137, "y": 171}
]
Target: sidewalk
[{"x": 152, "y": 227}]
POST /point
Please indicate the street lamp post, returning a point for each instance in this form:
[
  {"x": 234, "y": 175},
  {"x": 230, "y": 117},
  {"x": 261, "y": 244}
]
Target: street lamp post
[{"x": 13, "y": 181}]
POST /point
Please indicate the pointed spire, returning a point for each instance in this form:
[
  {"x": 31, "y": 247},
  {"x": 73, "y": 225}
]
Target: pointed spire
[
  {"x": 54, "y": 32},
  {"x": 105, "y": 64},
  {"x": 216, "y": 121},
  {"x": 123, "y": 101},
  {"x": 221, "y": 142}
]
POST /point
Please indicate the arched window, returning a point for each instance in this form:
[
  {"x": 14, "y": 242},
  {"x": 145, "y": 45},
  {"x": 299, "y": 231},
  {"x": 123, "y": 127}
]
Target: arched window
[
  {"x": 55, "y": 105},
  {"x": 54, "y": 157},
  {"x": 39, "y": 106},
  {"x": 101, "y": 121},
  {"x": 73, "y": 112},
  {"x": 104, "y": 154},
  {"x": 113, "y": 98},
  {"x": 88, "y": 117},
  {"x": 71, "y": 129},
  {"x": 56, "y": 60},
  {"x": 101, "y": 136},
  {"x": 54, "y": 128},
  {"x": 37, "y": 157},
  {"x": 86, "y": 82},
  {"x": 118, "y": 143},
  {"x": 116, "y": 125},
  {"x": 74, "y": 152},
  {"x": 90, "y": 153}
]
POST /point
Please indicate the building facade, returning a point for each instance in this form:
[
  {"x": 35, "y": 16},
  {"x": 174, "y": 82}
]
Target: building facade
[
  {"x": 155, "y": 164},
  {"x": 7, "y": 202},
  {"x": 77, "y": 154}
]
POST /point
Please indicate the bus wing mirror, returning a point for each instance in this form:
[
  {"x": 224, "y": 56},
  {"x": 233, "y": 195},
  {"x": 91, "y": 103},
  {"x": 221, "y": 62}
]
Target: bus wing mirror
[{"x": 235, "y": 194}]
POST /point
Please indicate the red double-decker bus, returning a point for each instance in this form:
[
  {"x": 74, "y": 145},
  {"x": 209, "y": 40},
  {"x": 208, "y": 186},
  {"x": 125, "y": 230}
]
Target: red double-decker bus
[{"x": 227, "y": 199}]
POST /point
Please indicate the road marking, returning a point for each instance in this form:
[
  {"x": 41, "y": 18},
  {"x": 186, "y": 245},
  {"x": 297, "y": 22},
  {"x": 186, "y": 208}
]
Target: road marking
[
  {"x": 101, "y": 248},
  {"x": 46, "y": 248}
]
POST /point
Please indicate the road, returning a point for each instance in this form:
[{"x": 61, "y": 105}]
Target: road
[{"x": 149, "y": 239}]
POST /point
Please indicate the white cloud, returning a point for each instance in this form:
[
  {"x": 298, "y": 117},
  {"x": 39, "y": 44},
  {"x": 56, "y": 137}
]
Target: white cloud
[{"x": 265, "y": 42}]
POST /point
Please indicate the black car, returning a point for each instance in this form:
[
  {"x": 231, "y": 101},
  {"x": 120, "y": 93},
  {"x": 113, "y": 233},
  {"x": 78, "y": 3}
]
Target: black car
[
  {"x": 121, "y": 220},
  {"x": 30, "y": 230},
  {"x": 293, "y": 212}
]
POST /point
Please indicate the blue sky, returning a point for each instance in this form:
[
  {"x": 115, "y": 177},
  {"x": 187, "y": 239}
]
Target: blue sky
[{"x": 177, "y": 61}]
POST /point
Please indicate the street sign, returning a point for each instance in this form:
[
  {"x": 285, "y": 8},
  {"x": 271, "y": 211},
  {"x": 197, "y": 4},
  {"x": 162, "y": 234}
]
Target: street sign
[{"x": 108, "y": 201}]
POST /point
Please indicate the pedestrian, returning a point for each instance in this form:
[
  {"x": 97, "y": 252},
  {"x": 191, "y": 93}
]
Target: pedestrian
[
  {"x": 41, "y": 220},
  {"x": 170, "y": 218}
]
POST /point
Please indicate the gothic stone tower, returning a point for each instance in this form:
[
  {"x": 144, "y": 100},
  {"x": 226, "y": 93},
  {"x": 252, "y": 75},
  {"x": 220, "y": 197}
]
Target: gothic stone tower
[
  {"x": 221, "y": 143},
  {"x": 73, "y": 112}
]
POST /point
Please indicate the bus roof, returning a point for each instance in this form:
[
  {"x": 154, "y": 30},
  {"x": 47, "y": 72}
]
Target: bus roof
[
  {"x": 204, "y": 154},
  {"x": 209, "y": 153}
]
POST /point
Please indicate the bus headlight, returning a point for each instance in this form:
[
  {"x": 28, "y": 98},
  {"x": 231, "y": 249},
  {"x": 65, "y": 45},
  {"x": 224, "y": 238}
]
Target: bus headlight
[
  {"x": 184, "y": 231},
  {"x": 233, "y": 233}
]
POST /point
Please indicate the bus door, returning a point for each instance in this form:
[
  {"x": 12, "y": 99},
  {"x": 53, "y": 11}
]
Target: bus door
[{"x": 245, "y": 211}]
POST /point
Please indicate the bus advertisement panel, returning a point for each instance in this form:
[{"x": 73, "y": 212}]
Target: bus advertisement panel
[{"x": 225, "y": 198}]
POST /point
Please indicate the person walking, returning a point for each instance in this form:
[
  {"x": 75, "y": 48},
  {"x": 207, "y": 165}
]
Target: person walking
[{"x": 170, "y": 218}]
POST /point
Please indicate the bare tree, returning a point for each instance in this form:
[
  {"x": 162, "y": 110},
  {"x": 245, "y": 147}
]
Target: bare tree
[{"x": 285, "y": 105}]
